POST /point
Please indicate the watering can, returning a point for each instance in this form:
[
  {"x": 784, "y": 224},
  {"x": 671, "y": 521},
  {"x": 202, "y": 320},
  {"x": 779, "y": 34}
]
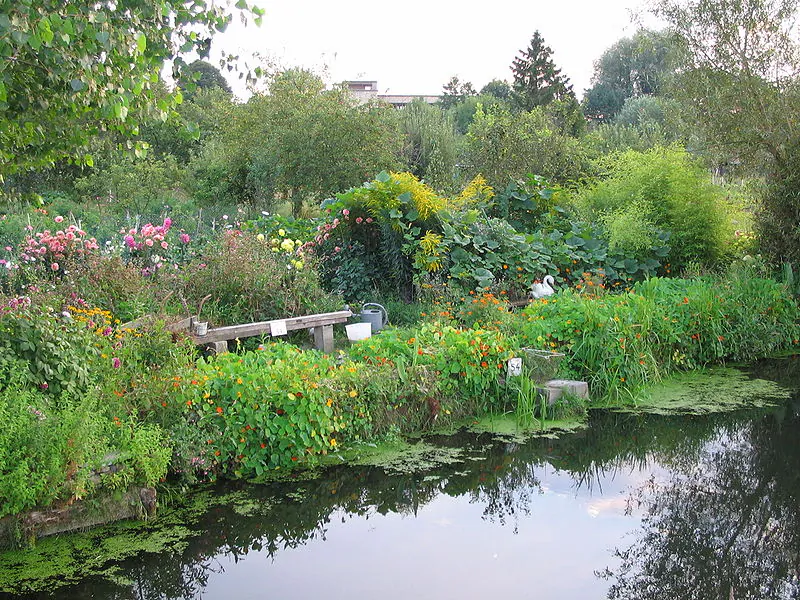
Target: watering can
[{"x": 376, "y": 317}]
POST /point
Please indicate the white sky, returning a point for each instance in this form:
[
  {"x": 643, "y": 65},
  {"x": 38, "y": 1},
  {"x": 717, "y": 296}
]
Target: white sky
[{"x": 415, "y": 46}]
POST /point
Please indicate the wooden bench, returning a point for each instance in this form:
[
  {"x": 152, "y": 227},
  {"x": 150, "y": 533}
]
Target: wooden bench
[{"x": 218, "y": 337}]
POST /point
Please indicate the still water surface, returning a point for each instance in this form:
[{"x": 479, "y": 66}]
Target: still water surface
[{"x": 635, "y": 507}]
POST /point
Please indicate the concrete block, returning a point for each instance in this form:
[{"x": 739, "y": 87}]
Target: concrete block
[{"x": 556, "y": 387}]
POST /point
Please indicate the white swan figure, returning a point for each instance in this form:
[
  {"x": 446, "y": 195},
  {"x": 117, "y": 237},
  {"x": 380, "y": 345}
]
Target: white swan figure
[{"x": 540, "y": 290}]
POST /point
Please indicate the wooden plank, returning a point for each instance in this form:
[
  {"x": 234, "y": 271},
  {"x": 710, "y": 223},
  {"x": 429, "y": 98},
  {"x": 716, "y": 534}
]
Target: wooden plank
[
  {"x": 233, "y": 332},
  {"x": 182, "y": 325}
]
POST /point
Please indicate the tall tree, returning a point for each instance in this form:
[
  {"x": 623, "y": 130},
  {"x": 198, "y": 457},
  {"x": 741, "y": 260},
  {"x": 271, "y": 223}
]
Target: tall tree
[
  {"x": 497, "y": 88},
  {"x": 299, "y": 142},
  {"x": 632, "y": 67},
  {"x": 537, "y": 81},
  {"x": 70, "y": 69},
  {"x": 454, "y": 92},
  {"x": 201, "y": 74},
  {"x": 740, "y": 67},
  {"x": 739, "y": 82}
]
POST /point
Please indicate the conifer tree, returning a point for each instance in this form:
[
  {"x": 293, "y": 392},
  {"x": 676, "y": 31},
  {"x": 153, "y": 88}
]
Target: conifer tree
[{"x": 537, "y": 81}]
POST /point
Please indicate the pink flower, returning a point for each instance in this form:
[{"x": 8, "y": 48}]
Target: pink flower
[
  {"x": 184, "y": 237},
  {"x": 345, "y": 212},
  {"x": 116, "y": 363},
  {"x": 167, "y": 223},
  {"x": 369, "y": 219},
  {"x": 336, "y": 249},
  {"x": 54, "y": 266},
  {"x": 129, "y": 242},
  {"x": 59, "y": 219},
  {"x": 335, "y": 222},
  {"x": 164, "y": 245},
  {"x": 359, "y": 219},
  {"x": 149, "y": 242}
]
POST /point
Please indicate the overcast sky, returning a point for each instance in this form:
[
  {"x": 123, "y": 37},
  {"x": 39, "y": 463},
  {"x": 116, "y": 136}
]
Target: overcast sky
[{"x": 415, "y": 46}]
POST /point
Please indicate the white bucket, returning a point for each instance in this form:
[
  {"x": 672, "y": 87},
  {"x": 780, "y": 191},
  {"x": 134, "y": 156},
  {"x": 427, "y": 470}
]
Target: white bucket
[{"x": 358, "y": 331}]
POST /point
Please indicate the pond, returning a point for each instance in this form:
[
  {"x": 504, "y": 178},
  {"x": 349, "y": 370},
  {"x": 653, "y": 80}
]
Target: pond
[{"x": 634, "y": 506}]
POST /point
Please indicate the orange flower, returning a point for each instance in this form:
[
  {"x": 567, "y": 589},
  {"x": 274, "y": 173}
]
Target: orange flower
[
  {"x": 219, "y": 409},
  {"x": 484, "y": 364}
]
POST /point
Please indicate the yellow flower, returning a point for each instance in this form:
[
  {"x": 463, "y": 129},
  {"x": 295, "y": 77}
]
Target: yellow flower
[
  {"x": 353, "y": 393},
  {"x": 333, "y": 442}
]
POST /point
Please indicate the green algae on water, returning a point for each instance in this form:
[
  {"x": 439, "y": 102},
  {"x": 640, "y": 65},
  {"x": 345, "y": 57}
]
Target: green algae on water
[
  {"x": 708, "y": 391},
  {"x": 62, "y": 560},
  {"x": 506, "y": 428},
  {"x": 403, "y": 457}
]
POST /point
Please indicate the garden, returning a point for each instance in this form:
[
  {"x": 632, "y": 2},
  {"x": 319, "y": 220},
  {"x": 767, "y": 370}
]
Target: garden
[
  {"x": 100, "y": 395},
  {"x": 514, "y": 236}
]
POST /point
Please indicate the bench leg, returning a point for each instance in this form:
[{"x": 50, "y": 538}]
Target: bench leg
[
  {"x": 323, "y": 338},
  {"x": 218, "y": 347}
]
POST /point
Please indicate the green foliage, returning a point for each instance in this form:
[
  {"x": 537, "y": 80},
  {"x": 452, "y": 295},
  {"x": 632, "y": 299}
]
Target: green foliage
[
  {"x": 52, "y": 348},
  {"x": 497, "y": 88},
  {"x": 138, "y": 186},
  {"x": 54, "y": 93},
  {"x": 463, "y": 113},
  {"x": 431, "y": 151},
  {"x": 64, "y": 450},
  {"x": 620, "y": 342},
  {"x": 504, "y": 146},
  {"x": 150, "y": 452},
  {"x": 631, "y": 68},
  {"x": 490, "y": 253},
  {"x": 468, "y": 364},
  {"x": 300, "y": 142},
  {"x": 777, "y": 220},
  {"x": 275, "y": 407},
  {"x": 454, "y": 92},
  {"x": 201, "y": 75},
  {"x": 737, "y": 77},
  {"x": 251, "y": 279},
  {"x": 669, "y": 191},
  {"x": 388, "y": 217}
]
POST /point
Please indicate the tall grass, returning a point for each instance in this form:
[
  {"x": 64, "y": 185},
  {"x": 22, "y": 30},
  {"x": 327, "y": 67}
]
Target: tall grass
[{"x": 619, "y": 343}]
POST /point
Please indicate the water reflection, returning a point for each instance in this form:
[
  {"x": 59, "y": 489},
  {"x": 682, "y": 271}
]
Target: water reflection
[
  {"x": 726, "y": 526},
  {"x": 712, "y": 501}
]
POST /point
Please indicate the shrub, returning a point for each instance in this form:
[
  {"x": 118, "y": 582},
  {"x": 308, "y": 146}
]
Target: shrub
[
  {"x": 273, "y": 408},
  {"x": 252, "y": 278},
  {"x": 668, "y": 190},
  {"x": 53, "y": 350},
  {"x": 777, "y": 220},
  {"x": 58, "y": 451}
]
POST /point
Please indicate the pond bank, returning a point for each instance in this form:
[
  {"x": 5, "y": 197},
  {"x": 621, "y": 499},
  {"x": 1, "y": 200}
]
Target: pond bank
[
  {"x": 700, "y": 392},
  {"x": 476, "y": 506}
]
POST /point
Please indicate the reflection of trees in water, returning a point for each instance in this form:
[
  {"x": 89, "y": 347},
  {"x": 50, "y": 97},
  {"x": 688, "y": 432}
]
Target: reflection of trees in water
[
  {"x": 726, "y": 527},
  {"x": 718, "y": 504}
]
